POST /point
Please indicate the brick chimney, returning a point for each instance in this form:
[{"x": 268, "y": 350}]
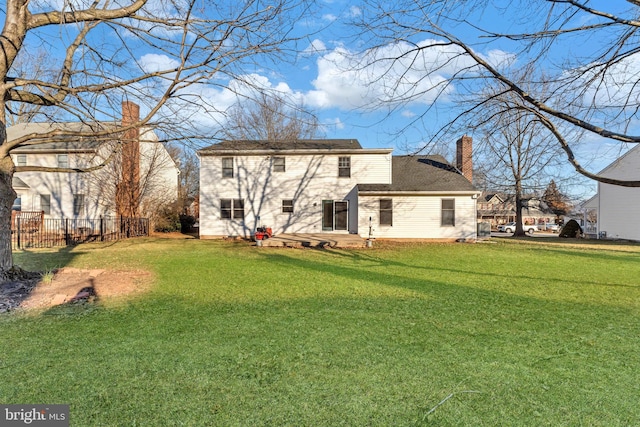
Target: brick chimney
[
  {"x": 128, "y": 189},
  {"x": 464, "y": 157}
]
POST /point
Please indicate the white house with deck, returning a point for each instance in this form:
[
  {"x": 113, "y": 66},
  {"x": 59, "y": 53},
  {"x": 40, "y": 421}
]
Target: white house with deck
[{"x": 334, "y": 186}]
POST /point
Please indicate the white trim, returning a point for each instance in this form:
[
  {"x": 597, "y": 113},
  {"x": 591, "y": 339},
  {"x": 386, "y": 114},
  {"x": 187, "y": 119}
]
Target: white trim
[
  {"x": 417, "y": 193},
  {"x": 263, "y": 152}
]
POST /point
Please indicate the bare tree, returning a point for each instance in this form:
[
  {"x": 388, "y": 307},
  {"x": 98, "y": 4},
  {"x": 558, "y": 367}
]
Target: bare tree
[
  {"x": 270, "y": 117},
  {"x": 189, "y": 179},
  {"x": 29, "y": 67},
  {"x": 515, "y": 149},
  {"x": 151, "y": 183},
  {"x": 187, "y": 45},
  {"x": 584, "y": 60}
]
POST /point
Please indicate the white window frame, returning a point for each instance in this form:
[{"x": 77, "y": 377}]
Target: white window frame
[
  {"x": 447, "y": 215},
  {"x": 63, "y": 161},
  {"x": 227, "y": 171},
  {"x": 287, "y": 206},
  {"x": 279, "y": 164}
]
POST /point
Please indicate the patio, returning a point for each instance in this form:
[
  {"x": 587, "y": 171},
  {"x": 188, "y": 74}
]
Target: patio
[{"x": 315, "y": 240}]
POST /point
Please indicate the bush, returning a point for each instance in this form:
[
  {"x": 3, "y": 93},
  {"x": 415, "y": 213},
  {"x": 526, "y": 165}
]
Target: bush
[
  {"x": 571, "y": 229},
  {"x": 166, "y": 220},
  {"x": 186, "y": 223}
]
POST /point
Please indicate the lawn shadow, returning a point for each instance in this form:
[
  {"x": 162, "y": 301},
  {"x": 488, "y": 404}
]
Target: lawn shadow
[{"x": 421, "y": 284}]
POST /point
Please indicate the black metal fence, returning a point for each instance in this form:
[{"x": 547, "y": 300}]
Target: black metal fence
[{"x": 32, "y": 232}]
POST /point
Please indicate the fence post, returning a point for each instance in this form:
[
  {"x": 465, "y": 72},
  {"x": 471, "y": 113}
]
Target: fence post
[
  {"x": 66, "y": 231},
  {"x": 18, "y": 230},
  {"x": 101, "y": 228}
]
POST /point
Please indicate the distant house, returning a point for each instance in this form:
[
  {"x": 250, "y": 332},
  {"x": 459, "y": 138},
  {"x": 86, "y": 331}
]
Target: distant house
[
  {"x": 496, "y": 208},
  {"x": 614, "y": 209},
  {"x": 500, "y": 208},
  {"x": 143, "y": 164},
  {"x": 333, "y": 186}
]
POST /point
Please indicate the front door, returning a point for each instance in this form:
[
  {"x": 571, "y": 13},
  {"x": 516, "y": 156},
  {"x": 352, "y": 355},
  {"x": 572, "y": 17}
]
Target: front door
[{"x": 335, "y": 215}]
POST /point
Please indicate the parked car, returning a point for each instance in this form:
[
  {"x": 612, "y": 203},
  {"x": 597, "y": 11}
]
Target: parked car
[
  {"x": 554, "y": 228},
  {"x": 510, "y": 227}
]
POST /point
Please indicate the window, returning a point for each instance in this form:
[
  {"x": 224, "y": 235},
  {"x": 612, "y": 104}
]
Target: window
[
  {"x": 279, "y": 164},
  {"x": 227, "y": 167},
  {"x": 45, "y": 203},
  {"x": 21, "y": 160},
  {"x": 17, "y": 204},
  {"x": 63, "y": 160},
  {"x": 231, "y": 208},
  {"x": 287, "y": 206},
  {"x": 78, "y": 204},
  {"x": 448, "y": 212},
  {"x": 238, "y": 209},
  {"x": 344, "y": 167},
  {"x": 386, "y": 211}
]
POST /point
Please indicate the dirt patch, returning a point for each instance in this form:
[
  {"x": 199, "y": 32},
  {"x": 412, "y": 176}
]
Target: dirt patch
[{"x": 69, "y": 285}]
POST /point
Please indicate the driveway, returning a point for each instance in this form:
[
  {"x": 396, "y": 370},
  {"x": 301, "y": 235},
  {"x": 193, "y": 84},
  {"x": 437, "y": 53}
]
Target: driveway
[{"x": 541, "y": 234}]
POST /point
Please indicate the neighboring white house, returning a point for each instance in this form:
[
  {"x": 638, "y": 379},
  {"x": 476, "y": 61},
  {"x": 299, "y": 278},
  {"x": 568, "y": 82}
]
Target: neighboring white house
[
  {"x": 86, "y": 195},
  {"x": 617, "y": 206},
  {"x": 332, "y": 186}
]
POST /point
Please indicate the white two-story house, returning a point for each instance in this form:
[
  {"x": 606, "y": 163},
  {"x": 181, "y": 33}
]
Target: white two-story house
[
  {"x": 332, "y": 186},
  {"x": 67, "y": 194}
]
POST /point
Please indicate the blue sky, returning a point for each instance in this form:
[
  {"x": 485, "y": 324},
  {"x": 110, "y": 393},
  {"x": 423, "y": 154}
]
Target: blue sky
[
  {"x": 347, "y": 102},
  {"x": 344, "y": 100}
]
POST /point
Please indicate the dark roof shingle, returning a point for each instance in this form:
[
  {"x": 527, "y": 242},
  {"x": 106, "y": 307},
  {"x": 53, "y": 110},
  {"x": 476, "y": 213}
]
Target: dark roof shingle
[
  {"x": 58, "y": 143},
  {"x": 301, "y": 144},
  {"x": 421, "y": 173}
]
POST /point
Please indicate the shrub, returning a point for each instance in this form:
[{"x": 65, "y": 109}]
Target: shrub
[
  {"x": 186, "y": 223},
  {"x": 166, "y": 220},
  {"x": 571, "y": 229}
]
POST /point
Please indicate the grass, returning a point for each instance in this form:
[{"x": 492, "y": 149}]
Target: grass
[{"x": 511, "y": 333}]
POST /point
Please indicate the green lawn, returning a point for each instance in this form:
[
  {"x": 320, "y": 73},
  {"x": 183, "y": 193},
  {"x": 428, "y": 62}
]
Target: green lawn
[{"x": 507, "y": 333}]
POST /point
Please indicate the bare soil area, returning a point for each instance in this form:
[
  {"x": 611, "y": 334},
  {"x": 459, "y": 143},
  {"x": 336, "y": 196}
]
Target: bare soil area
[{"x": 70, "y": 285}]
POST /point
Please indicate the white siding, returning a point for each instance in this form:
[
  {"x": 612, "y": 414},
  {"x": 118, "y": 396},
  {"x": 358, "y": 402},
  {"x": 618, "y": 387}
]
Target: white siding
[
  {"x": 620, "y": 206},
  {"x": 619, "y": 209},
  {"x": 98, "y": 187},
  {"x": 419, "y": 217},
  {"x": 61, "y": 187},
  {"x": 308, "y": 180}
]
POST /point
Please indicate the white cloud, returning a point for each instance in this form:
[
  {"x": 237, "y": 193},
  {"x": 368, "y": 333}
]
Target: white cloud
[
  {"x": 334, "y": 123},
  {"x": 329, "y": 17},
  {"x": 350, "y": 80},
  {"x": 500, "y": 58},
  {"x": 153, "y": 62},
  {"x": 315, "y": 47},
  {"x": 354, "y": 11}
]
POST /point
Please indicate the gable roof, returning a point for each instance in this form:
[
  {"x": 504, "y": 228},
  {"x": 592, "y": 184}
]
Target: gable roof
[
  {"x": 255, "y": 146},
  {"x": 62, "y": 143},
  {"x": 635, "y": 150},
  {"x": 488, "y": 197},
  {"x": 420, "y": 174},
  {"x": 18, "y": 183}
]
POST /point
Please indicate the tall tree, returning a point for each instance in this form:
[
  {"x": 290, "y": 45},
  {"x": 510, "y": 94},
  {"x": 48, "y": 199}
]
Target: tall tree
[
  {"x": 270, "y": 116},
  {"x": 515, "y": 150},
  {"x": 161, "y": 54},
  {"x": 583, "y": 60}
]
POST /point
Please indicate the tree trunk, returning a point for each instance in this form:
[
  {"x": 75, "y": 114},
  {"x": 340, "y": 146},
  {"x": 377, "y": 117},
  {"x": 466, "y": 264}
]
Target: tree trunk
[
  {"x": 519, "y": 229},
  {"x": 7, "y": 196}
]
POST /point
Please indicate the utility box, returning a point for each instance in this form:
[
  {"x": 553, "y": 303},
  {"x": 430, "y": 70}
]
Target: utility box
[{"x": 484, "y": 230}]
